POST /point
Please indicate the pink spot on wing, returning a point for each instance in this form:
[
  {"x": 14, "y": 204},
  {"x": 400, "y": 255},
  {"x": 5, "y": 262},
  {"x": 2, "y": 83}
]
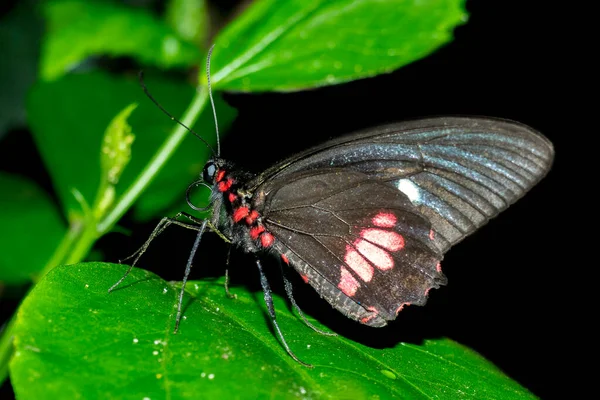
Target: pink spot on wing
[
  {"x": 358, "y": 264},
  {"x": 384, "y": 220},
  {"x": 401, "y": 307},
  {"x": 438, "y": 267},
  {"x": 348, "y": 284},
  {"x": 431, "y": 234},
  {"x": 370, "y": 317},
  {"x": 379, "y": 257},
  {"x": 304, "y": 278},
  {"x": 285, "y": 259},
  {"x": 388, "y": 239},
  {"x": 427, "y": 292}
]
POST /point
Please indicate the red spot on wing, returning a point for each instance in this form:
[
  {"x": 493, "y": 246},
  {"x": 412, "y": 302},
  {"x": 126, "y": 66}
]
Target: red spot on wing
[
  {"x": 431, "y": 234},
  {"x": 304, "y": 278},
  {"x": 438, "y": 267},
  {"x": 390, "y": 240},
  {"x": 285, "y": 259},
  {"x": 379, "y": 257},
  {"x": 384, "y": 220},
  {"x": 255, "y": 231},
  {"x": 252, "y": 217},
  {"x": 348, "y": 284},
  {"x": 358, "y": 264},
  {"x": 240, "y": 213},
  {"x": 232, "y": 197},
  {"x": 266, "y": 239},
  {"x": 220, "y": 175}
]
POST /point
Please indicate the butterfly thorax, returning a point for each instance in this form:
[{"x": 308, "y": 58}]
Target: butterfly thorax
[{"x": 232, "y": 206}]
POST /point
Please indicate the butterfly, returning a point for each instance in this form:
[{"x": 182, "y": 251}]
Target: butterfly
[{"x": 365, "y": 219}]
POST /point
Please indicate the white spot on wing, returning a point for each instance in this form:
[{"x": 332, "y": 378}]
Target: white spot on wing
[{"x": 411, "y": 190}]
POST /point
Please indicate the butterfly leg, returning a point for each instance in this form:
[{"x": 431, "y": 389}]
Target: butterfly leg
[
  {"x": 269, "y": 301},
  {"x": 162, "y": 225},
  {"x": 188, "y": 268},
  {"x": 229, "y": 294},
  {"x": 289, "y": 292}
]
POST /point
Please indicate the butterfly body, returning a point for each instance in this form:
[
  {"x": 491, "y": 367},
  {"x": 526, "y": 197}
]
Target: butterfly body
[{"x": 365, "y": 219}]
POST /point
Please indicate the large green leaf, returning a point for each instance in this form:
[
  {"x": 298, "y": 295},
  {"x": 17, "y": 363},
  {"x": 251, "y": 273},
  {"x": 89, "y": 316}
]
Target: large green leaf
[
  {"x": 79, "y": 29},
  {"x": 31, "y": 229},
  {"x": 69, "y": 135},
  {"x": 292, "y": 45},
  {"x": 74, "y": 340}
]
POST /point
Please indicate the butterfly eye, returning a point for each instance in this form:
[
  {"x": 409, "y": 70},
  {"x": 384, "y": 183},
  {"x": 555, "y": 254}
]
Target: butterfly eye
[{"x": 208, "y": 174}]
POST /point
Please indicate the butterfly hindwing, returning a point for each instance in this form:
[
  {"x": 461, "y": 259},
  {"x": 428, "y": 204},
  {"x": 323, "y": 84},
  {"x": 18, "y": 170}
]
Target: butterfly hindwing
[{"x": 360, "y": 242}]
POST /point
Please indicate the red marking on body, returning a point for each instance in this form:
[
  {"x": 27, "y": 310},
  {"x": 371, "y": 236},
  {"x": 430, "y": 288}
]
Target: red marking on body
[
  {"x": 370, "y": 317},
  {"x": 304, "y": 278},
  {"x": 232, "y": 197},
  {"x": 240, "y": 213},
  {"x": 431, "y": 234},
  {"x": 427, "y": 292},
  {"x": 220, "y": 175},
  {"x": 384, "y": 220},
  {"x": 266, "y": 239},
  {"x": 224, "y": 186},
  {"x": 348, "y": 284},
  {"x": 379, "y": 257},
  {"x": 251, "y": 217},
  {"x": 255, "y": 231},
  {"x": 358, "y": 264},
  {"x": 401, "y": 307},
  {"x": 285, "y": 259},
  {"x": 438, "y": 267},
  {"x": 390, "y": 240}
]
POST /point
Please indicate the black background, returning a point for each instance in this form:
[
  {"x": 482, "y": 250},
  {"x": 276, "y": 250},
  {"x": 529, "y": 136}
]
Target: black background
[{"x": 514, "y": 286}]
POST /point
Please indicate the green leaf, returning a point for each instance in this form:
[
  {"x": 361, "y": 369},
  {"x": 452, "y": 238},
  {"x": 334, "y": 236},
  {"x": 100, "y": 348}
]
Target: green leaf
[
  {"x": 74, "y": 340},
  {"x": 189, "y": 18},
  {"x": 31, "y": 229},
  {"x": 69, "y": 135},
  {"x": 293, "y": 45},
  {"x": 77, "y": 30}
]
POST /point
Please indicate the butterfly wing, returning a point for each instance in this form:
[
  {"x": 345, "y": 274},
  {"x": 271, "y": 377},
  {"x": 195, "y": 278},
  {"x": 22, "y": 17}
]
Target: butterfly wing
[
  {"x": 358, "y": 241},
  {"x": 457, "y": 171}
]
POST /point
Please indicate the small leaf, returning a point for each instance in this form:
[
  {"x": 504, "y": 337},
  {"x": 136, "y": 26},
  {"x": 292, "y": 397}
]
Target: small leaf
[
  {"x": 31, "y": 229},
  {"x": 74, "y": 340},
  {"x": 69, "y": 135},
  {"x": 189, "y": 19},
  {"x": 114, "y": 157},
  {"x": 293, "y": 45},
  {"x": 77, "y": 30}
]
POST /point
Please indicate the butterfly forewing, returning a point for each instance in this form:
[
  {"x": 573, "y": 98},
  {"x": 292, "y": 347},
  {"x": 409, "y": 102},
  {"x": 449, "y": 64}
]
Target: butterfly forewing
[
  {"x": 360, "y": 242},
  {"x": 457, "y": 171}
]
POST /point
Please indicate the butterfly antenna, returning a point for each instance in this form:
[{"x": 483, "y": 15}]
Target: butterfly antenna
[
  {"x": 147, "y": 92},
  {"x": 212, "y": 102}
]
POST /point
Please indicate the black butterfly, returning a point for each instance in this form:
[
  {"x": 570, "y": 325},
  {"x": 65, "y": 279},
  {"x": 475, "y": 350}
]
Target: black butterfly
[{"x": 365, "y": 219}]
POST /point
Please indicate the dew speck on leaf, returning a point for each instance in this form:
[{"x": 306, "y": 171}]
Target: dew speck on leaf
[{"x": 388, "y": 374}]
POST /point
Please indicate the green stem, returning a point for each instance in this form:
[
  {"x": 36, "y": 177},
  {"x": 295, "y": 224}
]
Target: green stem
[{"x": 82, "y": 234}]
